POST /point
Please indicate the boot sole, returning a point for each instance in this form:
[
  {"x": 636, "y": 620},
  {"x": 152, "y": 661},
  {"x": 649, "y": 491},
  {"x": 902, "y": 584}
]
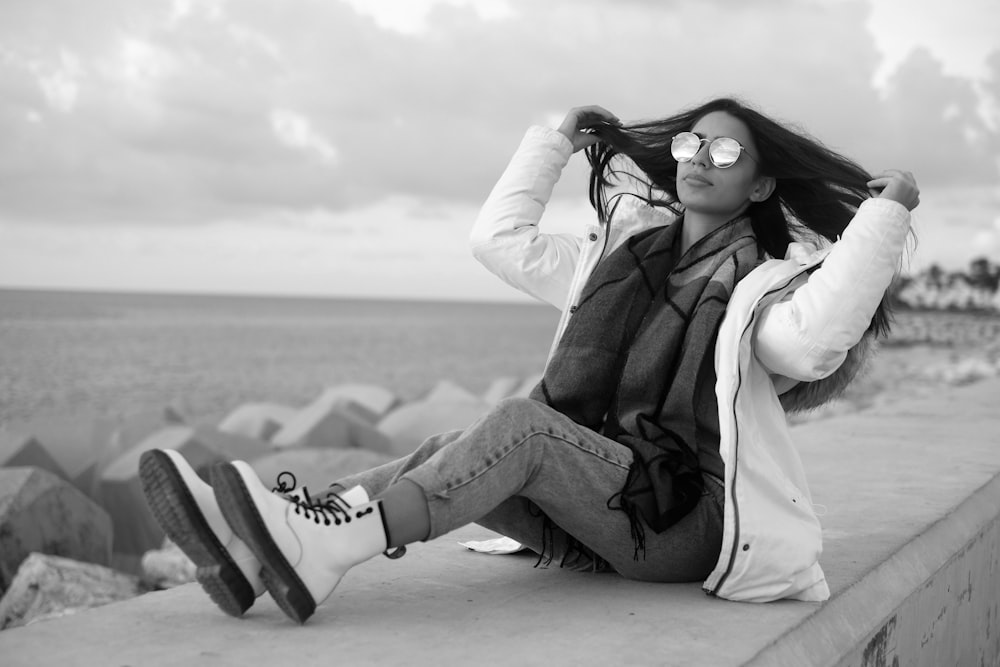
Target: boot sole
[
  {"x": 176, "y": 510},
  {"x": 237, "y": 506}
]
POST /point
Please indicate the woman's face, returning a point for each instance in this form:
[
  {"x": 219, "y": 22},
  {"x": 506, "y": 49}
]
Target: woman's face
[{"x": 703, "y": 187}]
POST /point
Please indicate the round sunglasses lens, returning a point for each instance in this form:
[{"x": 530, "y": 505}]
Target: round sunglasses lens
[
  {"x": 725, "y": 152},
  {"x": 685, "y": 146}
]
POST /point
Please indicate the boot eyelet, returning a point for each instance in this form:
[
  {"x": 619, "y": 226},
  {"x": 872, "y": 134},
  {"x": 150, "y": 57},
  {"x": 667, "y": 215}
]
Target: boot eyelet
[{"x": 331, "y": 510}]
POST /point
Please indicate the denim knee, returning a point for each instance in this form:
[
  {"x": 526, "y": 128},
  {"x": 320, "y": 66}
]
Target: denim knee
[{"x": 519, "y": 410}]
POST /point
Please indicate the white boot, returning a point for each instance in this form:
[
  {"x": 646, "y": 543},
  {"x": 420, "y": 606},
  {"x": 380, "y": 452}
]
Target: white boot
[
  {"x": 186, "y": 509},
  {"x": 305, "y": 546}
]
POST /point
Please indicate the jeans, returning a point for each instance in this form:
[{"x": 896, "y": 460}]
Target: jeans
[{"x": 530, "y": 473}]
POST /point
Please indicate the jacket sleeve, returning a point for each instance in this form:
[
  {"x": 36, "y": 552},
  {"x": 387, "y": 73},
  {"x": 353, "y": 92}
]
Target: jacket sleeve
[
  {"x": 806, "y": 336},
  {"x": 505, "y": 237}
]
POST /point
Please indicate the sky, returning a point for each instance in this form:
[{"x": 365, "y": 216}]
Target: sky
[{"x": 343, "y": 147}]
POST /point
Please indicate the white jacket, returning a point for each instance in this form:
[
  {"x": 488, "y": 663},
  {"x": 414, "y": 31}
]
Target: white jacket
[{"x": 788, "y": 329}]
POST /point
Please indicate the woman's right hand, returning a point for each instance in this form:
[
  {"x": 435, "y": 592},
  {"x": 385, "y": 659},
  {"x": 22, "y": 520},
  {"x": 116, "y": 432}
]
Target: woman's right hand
[{"x": 580, "y": 119}]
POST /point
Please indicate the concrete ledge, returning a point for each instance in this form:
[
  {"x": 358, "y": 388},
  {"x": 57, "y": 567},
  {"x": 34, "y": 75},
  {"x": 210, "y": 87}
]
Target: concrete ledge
[
  {"x": 934, "y": 602},
  {"x": 912, "y": 531}
]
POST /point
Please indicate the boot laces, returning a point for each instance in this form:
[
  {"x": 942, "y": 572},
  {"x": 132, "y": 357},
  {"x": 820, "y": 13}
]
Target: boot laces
[
  {"x": 282, "y": 483},
  {"x": 332, "y": 506},
  {"x": 330, "y": 509},
  {"x": 307, "y": 506}
]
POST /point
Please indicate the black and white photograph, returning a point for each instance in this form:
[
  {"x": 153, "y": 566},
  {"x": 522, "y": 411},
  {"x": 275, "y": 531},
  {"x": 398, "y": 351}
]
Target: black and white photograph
[{"x": 541, "y": 332}]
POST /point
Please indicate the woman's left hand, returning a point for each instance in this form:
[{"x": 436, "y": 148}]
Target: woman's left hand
[{"x": 899, "y": 186}]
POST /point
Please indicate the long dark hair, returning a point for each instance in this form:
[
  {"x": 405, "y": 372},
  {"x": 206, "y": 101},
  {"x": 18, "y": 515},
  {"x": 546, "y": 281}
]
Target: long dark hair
[{"x": 817, "y": 191}]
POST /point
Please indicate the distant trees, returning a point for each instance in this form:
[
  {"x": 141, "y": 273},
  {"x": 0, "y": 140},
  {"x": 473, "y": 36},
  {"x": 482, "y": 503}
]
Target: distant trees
[
  {"x": 983, "y": 273},
  {"x": 937, "y": 289}
]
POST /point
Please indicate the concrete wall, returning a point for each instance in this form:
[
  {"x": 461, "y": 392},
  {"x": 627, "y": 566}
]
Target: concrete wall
[
  {"x": 934, "y": 603},
  {"x": 912, "y": 541}
]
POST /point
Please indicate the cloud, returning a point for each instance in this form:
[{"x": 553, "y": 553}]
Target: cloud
[
  {"x": 960, "y": 35},
  {"x": 194, "y": 111},
  {"x": 932, "y": 121},
  {"x": 59, "y": 82},
  {"x": 415, "y": 16},
  {"x": 295, "y": 131}
]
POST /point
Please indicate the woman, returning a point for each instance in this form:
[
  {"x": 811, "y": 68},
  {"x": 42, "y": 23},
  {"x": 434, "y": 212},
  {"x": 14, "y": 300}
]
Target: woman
[{"x": 694, "y": 315}]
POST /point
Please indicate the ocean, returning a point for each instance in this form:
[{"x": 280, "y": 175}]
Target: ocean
[
  {"x": 114, "y": 355},
  {"x": 87, "y": 355}
]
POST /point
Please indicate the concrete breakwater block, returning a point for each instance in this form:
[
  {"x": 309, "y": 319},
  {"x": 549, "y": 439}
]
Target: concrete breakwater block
[
  {"x": 527, "y": 386},
  {"x": 257, "y": 420},
  {"x": 73, "y": 440},
  {"x": 368, "y": 401},
  {"x": 500, "y": 389},
  {"x": 48, "y": 586},
  {"x": 510, "y": 387},
  {"x": 316, "y": 468},
  {"x": 120, "y": 492},
  {"x": 327, "y": 422},
  {"x": 228, "y": 446},
  {"x": 44, "y": 513},
  {"x": 24, "y": 451},
  {"x": 411, "y": 424},
  {"x": 127, "y": 434},
  {"x": 139, "y": 426},
  {"x": 449, "y": 391}
]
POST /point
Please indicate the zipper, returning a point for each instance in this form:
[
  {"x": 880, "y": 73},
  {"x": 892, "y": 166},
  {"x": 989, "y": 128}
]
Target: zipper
[{"x": 736, "y": 441}]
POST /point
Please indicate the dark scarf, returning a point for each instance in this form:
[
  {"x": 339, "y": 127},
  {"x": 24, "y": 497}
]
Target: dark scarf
[{"x": 637, "y": 361}]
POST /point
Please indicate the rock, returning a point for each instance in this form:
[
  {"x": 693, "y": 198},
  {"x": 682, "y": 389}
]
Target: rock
[
  {"x": 24, "y": 451},
  {"x": 120, "y": 492},
  {"x": 325, "y": 423},
  {"x": 229, "y": 446},
  {"x": 411, "y": 424},
  {"x": 510, "y": 387},
  {"x": 529, "y": 383},
  {"x": 357, "y": 410},
  {"x": 47, "y": 586},
  {"x": 371, "y": 402},
  {"x": 167, "y": 567},
  {"x": 74, "y": 441},
  {"x": 500, "y": 389},
  {"x": 44, "y": 513},
  {"x": 129, "y": 433},
  {"x": 316, "y": 468},
  {"x": 257, "y": 420},
  {"x": 447, "y": 391},
  {"x": 139, "y": 426}
]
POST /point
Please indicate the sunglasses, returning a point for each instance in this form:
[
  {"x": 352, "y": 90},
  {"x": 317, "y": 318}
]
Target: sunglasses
[{"x": 723, "y": 151}]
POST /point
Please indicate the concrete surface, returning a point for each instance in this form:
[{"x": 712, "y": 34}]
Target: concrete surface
[{"x": 912, "y": 502}]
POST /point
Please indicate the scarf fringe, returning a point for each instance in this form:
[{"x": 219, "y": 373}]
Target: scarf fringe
[
  {"x": 575, "y": 550},
  {"x": 631, "y": 511}
]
